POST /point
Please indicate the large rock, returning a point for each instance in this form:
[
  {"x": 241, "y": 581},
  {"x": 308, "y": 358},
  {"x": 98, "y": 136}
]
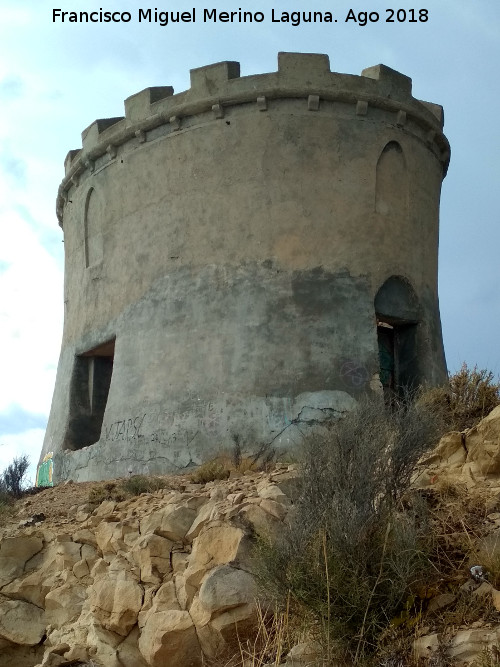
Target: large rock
[
  {"x": 470, "y": 457},
  {"x": 152, "y": 555},
  {"x": 116, "y": 536},
  {"x": 468, "y": 645},
  {"x": 172, "y": 522},
  {"x": 21, "y": 622},
  {"x": 116, "y": 604},
  {"x": 15, "y": 552},
  {"x": 225, "y": 587},
  {"x": 64, "y": 604},
  {"x": 169, "y": 638},
  {"x": 483, "y": 444},
  {"x": 217, "y": 543}
]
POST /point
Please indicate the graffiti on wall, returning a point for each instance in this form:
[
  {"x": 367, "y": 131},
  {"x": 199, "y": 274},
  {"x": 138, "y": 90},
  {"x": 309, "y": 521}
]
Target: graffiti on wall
[
  {"x": 125, "y": 429},
  {"x": 353, "y": 373}
]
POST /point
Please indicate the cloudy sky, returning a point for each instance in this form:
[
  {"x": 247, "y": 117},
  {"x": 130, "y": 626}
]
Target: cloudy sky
[{"x": 56, "y": 78}]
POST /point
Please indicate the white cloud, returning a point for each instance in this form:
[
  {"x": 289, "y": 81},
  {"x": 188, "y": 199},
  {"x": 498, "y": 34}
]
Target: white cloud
[{"x": 30, "y": 315}]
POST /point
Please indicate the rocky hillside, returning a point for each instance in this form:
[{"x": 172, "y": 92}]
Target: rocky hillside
[
  {"x": 91, "y": 577},
  {"x": 158, "y": 579}
]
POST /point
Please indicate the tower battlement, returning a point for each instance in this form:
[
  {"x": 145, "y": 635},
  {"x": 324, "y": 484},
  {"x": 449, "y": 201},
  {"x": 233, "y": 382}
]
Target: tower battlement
[{"x": 217, "y": 89}]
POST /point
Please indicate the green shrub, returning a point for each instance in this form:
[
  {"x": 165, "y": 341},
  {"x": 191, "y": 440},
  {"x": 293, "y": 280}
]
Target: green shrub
[
  {"x": 353, "y": 550},
  {"x": 13, "y": 477},
  {"x": 470, "y": 395}
]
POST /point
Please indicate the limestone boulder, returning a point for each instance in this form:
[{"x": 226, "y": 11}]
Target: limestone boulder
[
  {"x": 67, "y": 554},
  {"x": 21, "y": 622},
  {"x": 217, "y": 543},
  {"x": 64, "y": 604},
  {"x": 483, "y": 444},
  {"x": 115, "y": 536},
  {"x": 469, "y": 645},
  {"x": 169, "y": 638},
  {"x": 425, "y": 646},
  {"x": 164, "y": 599},
  {"x": 264, "y": 523},
  {"x": 275, "y": 509},
  {"x": 116, "y": 604},
  {"x": 85, "y": 536},
  {"x": 449, "y": 452},
  {"x": 470, "y": 457},
  {"x": 305, "y": 654},
  {"x": 172, "y": 522},
  {"x": 207, "y": 513},
  {"x": 272, "y": 492},
  {"x": 128, "y": 653},
  {"x": 32, "y": 588},
  {"x": 231, "y": 627},
  {"x": 225, "y": 587},
  {"x": 15, "y": 552},
  {"x": 152, "y": 555}
]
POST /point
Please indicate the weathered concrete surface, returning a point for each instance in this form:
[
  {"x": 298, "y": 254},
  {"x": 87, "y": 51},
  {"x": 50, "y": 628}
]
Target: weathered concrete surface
[{"x": 231, "y": 241}]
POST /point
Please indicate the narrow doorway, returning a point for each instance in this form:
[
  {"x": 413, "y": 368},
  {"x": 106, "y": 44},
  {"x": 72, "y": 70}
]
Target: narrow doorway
[
  {"x": 386, "y": 355},
  {"x": 397, "y": 315},
  {"x": 90, "y": 383}
]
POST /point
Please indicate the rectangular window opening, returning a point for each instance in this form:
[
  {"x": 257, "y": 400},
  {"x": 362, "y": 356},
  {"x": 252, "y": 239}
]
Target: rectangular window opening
[{"x": 90, "y": 383}]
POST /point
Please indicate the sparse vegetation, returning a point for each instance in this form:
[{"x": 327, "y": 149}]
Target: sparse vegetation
[
  {"x": 12, "y": 480},
  {"x": 12, "y": 483},
  {"x": 221, "y": 466},
  {"x": 138, "y": 484},
  {"x": 354, "y": 550},
  {"x": 125, "y": 488},
  {"x": 471, "y": 394},
  {"x": 210, "y": 471}
]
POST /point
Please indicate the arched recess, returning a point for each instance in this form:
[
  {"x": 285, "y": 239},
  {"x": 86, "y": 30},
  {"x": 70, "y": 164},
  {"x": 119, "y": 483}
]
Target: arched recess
[
  {"x": 398, "y": 315},
  {"x": 391, "y": 194},
  {"x": 93, "y": 244}
]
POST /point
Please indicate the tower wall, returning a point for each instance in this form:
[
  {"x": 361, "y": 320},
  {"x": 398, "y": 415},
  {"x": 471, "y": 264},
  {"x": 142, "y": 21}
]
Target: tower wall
[{"x": 224, "y": 250}]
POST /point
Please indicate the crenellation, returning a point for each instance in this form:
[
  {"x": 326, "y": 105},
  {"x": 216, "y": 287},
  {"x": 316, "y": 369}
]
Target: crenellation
[
  {"x": 216, "y": 87},
  {"x": 436, "y": 110},
  {"x": 70, "y": 158},
  {"x": 211, "y": 79},
  {"x": 390, "y": 82},
  {"x": 305, "y": 67},
  {"x": 138, "y": 106},
  {"x": 91, "y": 135}
]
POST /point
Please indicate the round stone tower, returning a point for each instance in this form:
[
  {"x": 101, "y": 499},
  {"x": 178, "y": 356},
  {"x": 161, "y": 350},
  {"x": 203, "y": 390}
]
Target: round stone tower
[{"x": 243, "y": 259}]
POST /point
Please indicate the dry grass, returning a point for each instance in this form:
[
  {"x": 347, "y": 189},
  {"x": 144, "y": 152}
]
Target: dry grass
[
  {"x": 470, "y": 395},
  {"x": 356, "y": 546},
  {"x": 120, "y": 490},
  {"x": 223, "y": 465}
]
